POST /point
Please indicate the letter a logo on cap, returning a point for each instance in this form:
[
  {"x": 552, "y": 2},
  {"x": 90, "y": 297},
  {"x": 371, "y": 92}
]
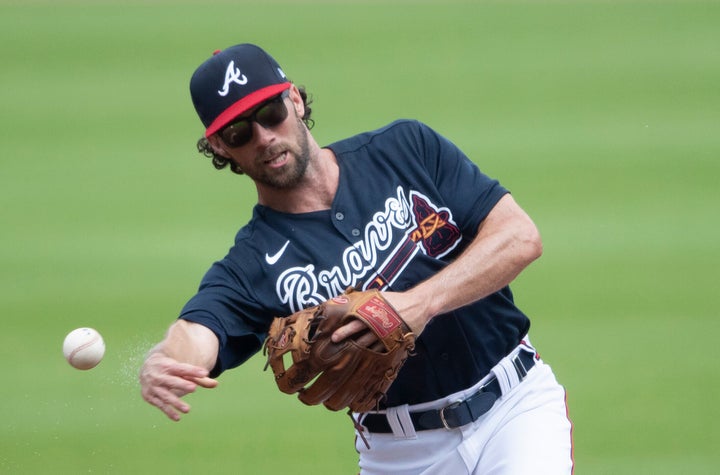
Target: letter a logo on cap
[
  {"x": 233, "y": 81},
  {"x": 232, "y": 74}
]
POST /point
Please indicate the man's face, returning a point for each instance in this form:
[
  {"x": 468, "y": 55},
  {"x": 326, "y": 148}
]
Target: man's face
[{"x": 276, "y": 156}]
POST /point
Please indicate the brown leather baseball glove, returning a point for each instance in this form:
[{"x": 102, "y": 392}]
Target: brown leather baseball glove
[{"x": 354, "y": 373}]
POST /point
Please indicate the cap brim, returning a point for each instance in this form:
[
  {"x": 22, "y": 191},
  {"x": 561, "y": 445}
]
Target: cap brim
[{"x": 245, "y": 104}]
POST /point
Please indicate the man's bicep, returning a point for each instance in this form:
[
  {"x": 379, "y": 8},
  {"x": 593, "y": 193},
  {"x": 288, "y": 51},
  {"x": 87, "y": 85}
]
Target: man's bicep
[{"x": 505, "y": 211}]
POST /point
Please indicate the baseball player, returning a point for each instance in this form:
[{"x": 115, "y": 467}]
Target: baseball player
[{"x": 401, "y": 210}]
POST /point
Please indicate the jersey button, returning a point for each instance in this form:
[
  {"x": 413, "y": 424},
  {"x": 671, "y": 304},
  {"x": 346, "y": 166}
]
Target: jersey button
[
  {"x": 355, "y": 232},
  {"x": 339, "y": 216}
]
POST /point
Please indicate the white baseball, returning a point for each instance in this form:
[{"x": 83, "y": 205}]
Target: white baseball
[{"x": 84, "y": 348}]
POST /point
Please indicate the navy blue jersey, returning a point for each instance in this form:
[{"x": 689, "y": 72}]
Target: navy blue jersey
[{"x": 407, "y": 204}]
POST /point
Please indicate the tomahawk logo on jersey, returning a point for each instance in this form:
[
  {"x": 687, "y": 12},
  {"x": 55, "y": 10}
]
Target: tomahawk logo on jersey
[{"x": 434, "y": 232}]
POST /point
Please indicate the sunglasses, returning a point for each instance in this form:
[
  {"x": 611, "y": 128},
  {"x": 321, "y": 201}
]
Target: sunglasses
[{"x": 270, "y": 114}]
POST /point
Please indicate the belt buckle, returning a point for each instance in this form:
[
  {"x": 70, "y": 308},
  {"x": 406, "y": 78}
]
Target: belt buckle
[{"x": 442, "y": 414}]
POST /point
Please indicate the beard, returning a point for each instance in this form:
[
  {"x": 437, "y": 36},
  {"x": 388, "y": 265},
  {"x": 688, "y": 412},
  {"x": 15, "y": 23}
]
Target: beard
[{"x": 294, "y": 171}]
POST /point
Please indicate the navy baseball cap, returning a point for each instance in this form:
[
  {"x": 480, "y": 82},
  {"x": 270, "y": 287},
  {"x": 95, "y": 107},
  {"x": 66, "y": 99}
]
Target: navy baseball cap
[{"x": 233, "y": 81}]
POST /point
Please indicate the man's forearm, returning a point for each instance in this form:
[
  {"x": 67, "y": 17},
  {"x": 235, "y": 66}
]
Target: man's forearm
[
  {"x": 191, "y": 343},
  {"x": 506, "y": 243}
]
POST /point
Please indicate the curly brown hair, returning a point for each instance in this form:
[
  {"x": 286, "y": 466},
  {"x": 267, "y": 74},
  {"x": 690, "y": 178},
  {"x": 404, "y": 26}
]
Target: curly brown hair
[{"x": 220, "y": 162}]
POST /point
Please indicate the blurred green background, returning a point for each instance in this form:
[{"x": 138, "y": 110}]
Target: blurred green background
[{"x": 602, "y": 117}]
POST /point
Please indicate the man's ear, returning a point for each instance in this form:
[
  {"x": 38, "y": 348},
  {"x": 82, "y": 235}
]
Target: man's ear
[{"x": 297, "y": 101}]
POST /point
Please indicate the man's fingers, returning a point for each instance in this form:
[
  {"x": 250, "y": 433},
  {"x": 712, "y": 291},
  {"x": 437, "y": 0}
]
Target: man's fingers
[
  {"x": 164, "y": 382},
  {"x": 187, "y": 371},
  {"x": 167, "y": 402},
  {"x": 205, "y": 382},
  {"x": 358, "y": 331},
  {"x": 369, "y": 340},
  {"x": 347, "y": 330}
]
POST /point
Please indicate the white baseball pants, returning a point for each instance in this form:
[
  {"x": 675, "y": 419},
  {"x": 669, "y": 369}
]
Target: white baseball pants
[{"x": 527, "y": 431}]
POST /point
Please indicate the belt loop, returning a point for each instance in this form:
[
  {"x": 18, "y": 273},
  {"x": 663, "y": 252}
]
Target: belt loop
[
  {"x": 400, "y": 422},
  {"x": 519, "y": 366},
  {"x": 511, "y": 370},
  {"x": 506, "y": 374}
]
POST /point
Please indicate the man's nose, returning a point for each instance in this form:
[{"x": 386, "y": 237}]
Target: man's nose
[{"x": 262, "y": 135}]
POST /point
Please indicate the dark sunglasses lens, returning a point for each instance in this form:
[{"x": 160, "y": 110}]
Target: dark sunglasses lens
[
  {"x": 237, "y": 134},
  {"x": 271, "y": 114}
]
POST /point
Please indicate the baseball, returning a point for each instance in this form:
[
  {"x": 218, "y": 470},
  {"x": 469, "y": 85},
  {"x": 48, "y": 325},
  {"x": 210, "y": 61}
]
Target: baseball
[{"x": 84, "y": 348}]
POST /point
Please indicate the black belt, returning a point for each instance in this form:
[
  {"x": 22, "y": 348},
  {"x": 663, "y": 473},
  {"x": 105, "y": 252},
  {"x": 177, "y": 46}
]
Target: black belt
[{"x": 459, "y": 413}]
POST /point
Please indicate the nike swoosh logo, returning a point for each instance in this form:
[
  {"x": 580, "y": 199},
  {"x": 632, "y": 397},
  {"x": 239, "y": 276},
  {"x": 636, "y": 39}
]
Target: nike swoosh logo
[{"x": 275, "y": 257}]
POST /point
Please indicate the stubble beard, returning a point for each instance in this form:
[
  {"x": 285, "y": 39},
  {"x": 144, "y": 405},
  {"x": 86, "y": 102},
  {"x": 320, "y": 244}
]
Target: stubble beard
[{"x": 293, "y": 173}]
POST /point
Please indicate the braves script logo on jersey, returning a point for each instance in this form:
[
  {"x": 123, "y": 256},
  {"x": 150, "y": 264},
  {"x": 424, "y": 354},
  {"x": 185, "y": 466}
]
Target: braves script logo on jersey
[
  {"x": 410, "y": 223},
  {"x": 232, "y": 75}
]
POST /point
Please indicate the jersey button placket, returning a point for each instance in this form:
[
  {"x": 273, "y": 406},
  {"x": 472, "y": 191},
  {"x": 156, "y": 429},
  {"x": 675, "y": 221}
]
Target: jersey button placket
[
  {"x": 346, "y": 227},
  {"x": 340, "y": 224}
]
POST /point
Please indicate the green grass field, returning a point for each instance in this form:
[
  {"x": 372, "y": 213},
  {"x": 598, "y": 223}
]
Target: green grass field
[{"x": 602, "y": 117}]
